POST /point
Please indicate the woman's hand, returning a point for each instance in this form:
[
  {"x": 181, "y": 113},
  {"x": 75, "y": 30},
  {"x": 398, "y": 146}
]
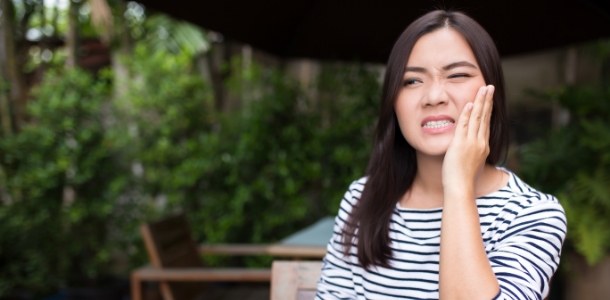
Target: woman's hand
[
  {"x": 465, "y": 271},
  {"x": 469, "y": 148}
]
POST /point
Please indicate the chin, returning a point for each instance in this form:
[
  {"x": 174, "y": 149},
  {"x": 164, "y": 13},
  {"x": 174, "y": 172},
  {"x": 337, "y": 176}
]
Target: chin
[
  {"x": 437, "y": 149},
  {"x": 439, "y": 152}
]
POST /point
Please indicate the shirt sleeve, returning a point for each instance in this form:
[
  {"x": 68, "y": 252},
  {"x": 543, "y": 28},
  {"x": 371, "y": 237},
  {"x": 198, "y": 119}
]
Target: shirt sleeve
[
  {"x": 336, "y": 280},
  {"x": 527, "y": 255}
]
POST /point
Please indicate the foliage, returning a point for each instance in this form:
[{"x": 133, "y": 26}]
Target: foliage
[
  {"x": 62, "y": 214},
  {"x": 573, "y": 162},
  {"x": 254, "y": 174},
  {"x": 349, "y": 98},
  {"x": 287, "y": 157},
  {"x": 92, "y": 165},
  {"x": 168, "y": 111},
  {"x": 166, "y": 34}
]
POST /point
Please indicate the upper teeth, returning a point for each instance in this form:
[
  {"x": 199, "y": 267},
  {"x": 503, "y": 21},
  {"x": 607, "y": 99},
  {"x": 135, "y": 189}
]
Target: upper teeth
[{"x": 437, "y": 124}]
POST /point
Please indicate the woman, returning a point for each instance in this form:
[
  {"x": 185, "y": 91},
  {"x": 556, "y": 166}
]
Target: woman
[{"x": 434, "y": 217}]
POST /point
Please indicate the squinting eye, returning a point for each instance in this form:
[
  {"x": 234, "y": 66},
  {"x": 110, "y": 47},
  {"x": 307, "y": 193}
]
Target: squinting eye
[
  {"x": 410, "y": 81},
  {"x": 459, "y": 75}
]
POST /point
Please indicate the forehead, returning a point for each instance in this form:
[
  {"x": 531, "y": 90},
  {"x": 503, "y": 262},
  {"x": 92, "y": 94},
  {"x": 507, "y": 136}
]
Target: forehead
[{"x": 439, "y": 48}]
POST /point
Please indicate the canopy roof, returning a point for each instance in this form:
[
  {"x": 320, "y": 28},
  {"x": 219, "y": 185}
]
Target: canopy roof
[{"x": 366, "y": 30}]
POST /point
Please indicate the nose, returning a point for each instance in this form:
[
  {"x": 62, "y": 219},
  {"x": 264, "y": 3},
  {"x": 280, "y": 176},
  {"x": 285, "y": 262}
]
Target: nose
[{"x": 436, "y": 95}]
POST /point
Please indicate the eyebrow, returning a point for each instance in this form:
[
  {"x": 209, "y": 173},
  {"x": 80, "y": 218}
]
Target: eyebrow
[
  {"x": 445, "y": 68},
  {"x": 459, "y": 64}
]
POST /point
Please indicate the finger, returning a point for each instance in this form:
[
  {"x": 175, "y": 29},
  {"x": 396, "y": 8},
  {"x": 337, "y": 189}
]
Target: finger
[
  {"x": 484, "y": 126},
  {"x": 463, "y": 120},
  {"x": 477, "y": 111}
]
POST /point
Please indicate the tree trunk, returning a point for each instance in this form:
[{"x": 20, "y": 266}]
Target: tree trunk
[
  {"x": 72, "y": 35},
  {"x": 214, "y": 66},
  {"x": 209, "y": 68},
  {"x": 121, "y": 49},
  {"x": 12, "y": 104},
  {"x": 5, "y": 115},
  {"x": 211, "y": 64}
]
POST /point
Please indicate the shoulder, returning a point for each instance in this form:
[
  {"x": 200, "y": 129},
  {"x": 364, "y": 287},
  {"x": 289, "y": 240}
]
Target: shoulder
[
  {"x": 353, "y": 193},
  {"x": 519, "y": 205},
  {"x": 358, "y": 185},
  {"x": 526, "y": 196},
  {"x": 532, "y": 206},
  {"x": 350, "y": 199},
  {"x": 524, "y": 217}
]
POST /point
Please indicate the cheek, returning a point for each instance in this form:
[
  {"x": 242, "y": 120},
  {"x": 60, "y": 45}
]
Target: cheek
[
  {"x": 465, "y": 94},
  {"x": 407, "y": 101},
  {"x": 404, "y": 109},
  {"x": 404, "y": 116}
]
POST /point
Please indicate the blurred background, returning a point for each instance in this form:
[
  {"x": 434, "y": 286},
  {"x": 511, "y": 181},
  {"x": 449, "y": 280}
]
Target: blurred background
[{"x": 114, "y": 113}]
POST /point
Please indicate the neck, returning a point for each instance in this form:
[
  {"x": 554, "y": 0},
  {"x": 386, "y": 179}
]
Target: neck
[
  {"x": 427, "y": 188},
  {"x": 429, "y": 174}
]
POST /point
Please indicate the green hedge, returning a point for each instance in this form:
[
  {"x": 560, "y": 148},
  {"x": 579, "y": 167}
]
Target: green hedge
[{"x": 90, "y": 167}]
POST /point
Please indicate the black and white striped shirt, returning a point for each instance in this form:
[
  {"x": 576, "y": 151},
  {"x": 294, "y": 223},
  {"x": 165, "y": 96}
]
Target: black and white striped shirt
[{"x": 523, "y": 231}]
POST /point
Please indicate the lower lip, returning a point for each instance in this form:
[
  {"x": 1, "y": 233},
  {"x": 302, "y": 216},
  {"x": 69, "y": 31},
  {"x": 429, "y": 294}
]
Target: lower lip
[{"x": 438, "y": 130}]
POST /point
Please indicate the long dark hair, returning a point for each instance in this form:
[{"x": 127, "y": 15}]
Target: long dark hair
[{"x": 392, "y": 165}]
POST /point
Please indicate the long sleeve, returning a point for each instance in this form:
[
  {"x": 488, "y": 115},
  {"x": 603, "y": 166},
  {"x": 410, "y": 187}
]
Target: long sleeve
[
  {"x": 527, "y": 255},
  {"x": 523, "y": 231}
]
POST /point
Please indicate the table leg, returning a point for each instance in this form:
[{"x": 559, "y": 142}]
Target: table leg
[{"x": 136, "y": 287}]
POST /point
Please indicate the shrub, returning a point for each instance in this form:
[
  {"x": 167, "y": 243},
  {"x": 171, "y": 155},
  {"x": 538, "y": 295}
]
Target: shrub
[{"x": 62, "y": 215}]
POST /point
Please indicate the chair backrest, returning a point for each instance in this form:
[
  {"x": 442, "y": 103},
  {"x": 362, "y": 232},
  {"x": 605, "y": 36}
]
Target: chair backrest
[
  {"x": 294, "y": 280},
  {"x": 169, "y": 244}
]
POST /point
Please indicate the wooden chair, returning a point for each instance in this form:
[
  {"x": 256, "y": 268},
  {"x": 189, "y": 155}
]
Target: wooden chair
[
  {"x": 176, "y": 264},
  {"x": 295, "y": 280}
]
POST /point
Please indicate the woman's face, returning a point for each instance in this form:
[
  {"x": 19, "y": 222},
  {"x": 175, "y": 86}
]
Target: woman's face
[{"x": 441, "y": 76}]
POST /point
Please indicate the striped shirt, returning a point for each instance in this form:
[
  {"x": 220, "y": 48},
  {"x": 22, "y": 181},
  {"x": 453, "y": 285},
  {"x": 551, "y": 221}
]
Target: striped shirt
[{"x": 523, "y": 231}]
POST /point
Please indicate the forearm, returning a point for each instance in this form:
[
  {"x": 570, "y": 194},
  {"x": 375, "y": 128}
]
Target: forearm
[{"x": 465, "y": 271}]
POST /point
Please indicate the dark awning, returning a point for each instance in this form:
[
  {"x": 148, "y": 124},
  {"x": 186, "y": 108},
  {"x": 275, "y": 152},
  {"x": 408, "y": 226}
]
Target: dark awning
[{"x": 366, "y": 30}]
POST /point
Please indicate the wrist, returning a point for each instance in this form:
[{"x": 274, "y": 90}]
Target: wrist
[{"x": 458, "y": 192}]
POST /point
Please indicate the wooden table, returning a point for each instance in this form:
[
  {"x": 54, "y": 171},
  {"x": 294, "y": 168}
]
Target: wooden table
[{"x": 308, "y": 243}]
